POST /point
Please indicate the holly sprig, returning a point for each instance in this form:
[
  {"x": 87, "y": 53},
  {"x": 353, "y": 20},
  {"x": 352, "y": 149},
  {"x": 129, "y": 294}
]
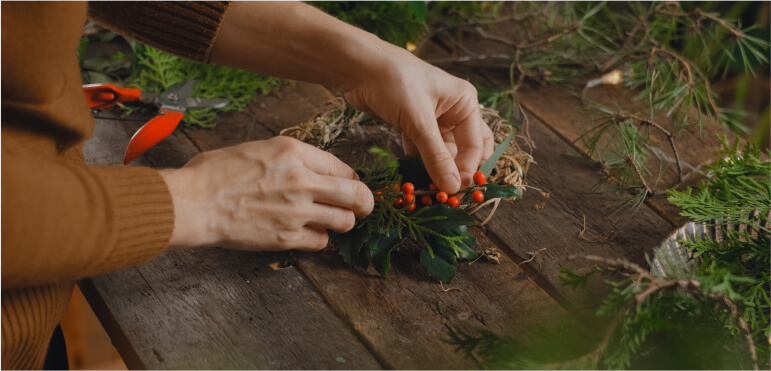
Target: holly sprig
[{"x": 438, "y": 229}]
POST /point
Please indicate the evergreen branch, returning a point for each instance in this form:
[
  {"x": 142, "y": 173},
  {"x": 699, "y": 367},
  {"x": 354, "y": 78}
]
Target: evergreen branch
[
  {"x": 596, "y": 354},
  {"x": 670, "y": 139},
  {"x": 655, "y": 285},
  {"x": 745, "y": 328},
  {"x": 690, "y": 67},
  {"x": 632, "y": 164}
]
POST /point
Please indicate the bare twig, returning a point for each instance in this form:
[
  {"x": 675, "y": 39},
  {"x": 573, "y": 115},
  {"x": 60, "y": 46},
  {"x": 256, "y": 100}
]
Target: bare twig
[
  {"x": 670, "y": 138},
  {"x": 448, "y": 288},
  {"x": 532, "y": 257},
  {"x": 632, "y": 164},
  {"x": 610, "y": 236},
  {"x": 615, "y": 262},
  {"x": 492, "y": 212},
  {"x": 745, "y": 327}
]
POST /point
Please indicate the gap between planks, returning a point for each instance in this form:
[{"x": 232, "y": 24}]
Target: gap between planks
[{"x": 320, "y": 271}]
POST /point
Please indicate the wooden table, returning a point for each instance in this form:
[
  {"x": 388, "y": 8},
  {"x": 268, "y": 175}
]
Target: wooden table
[{"x": 215, "y": 308}]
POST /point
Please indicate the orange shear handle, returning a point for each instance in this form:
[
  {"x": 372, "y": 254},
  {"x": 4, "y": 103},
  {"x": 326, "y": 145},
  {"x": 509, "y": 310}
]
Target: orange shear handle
[
  {"x": 103, "y": 96},
  {"x": 152, "y": 133}
]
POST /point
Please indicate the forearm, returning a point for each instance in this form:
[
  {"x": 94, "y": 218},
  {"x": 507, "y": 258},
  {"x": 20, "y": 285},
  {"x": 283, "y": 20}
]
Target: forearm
[
  {"x": 297, "y": 41},
  {"x": 62, "y": 222}
]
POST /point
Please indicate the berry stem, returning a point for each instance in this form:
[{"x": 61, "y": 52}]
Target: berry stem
[{"x": 433, "y": 193}]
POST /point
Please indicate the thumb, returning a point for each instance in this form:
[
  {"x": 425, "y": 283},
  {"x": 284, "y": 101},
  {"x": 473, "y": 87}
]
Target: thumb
[{"x": 438, "y": 160}]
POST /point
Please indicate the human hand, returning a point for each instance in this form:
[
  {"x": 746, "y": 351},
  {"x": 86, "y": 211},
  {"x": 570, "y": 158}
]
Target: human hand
[
  {"x": 276, "y": 194},
  {"x": 437, "y": 114}
]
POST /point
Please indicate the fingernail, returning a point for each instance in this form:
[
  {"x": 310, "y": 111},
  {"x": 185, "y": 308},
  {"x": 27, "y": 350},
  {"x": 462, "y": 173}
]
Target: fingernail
[
  {"x": 465, "y": 179},
  {"x": 450, "y": 183}
]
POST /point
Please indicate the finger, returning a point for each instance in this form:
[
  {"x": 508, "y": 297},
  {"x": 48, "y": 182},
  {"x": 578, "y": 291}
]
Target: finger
[
  {"x": 307, "y": 239},
  {"x": 469, "y": 141},
  {"x": 409, "y": 146},
  {"x": 325, "y": 163},
  {"x": 345, "y": 193},
  {"x": 449, "y": 142},
  {"x": 436, "y": 157},
  {"x": 488, "y": 143},
  {"x": 331, "y": 217}
]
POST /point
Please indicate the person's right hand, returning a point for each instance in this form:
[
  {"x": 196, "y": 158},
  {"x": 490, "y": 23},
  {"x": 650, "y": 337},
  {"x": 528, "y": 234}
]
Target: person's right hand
[{"x": 276, "y": 194}]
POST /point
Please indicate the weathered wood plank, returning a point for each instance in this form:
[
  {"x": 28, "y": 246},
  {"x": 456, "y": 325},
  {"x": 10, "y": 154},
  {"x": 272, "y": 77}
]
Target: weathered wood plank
[
  {"x": 212, "y": 308},
  {"x": 293, "y": 106},
  {"x": 565, "y": 114},
  {"x": 522, "y": 231},
  {"x": 232, "y": 129},
  {"x": 221, "y": 309},
  {"x": 571, "y": 119},
  {"x": 556, "y": 225},
  {"x": 398, "y": 317}
]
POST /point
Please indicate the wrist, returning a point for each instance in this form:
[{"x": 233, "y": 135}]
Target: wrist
[{"x": 189, "y": 224}]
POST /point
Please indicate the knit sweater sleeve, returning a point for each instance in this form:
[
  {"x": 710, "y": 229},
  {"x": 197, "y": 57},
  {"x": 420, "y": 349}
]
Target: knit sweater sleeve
[
  {"x": 182, "y": 28},
  {"x": 81, "y": 221}
]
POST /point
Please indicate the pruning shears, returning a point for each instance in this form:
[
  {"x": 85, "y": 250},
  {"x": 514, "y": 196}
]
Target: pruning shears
[{"x": 171, "y": 104}]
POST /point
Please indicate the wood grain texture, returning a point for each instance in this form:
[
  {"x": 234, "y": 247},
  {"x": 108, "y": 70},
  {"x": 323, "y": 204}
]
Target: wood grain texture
[
  {"x": 213, "y": 308},
  {"x": 571, "y": 119},
  {"x": 221, "y": 309},
  {"x": 521, "y": 231},
  {"x": 563, "y": 112},
  {"x": 555, "y": 227},
  {"x": 398, "y": 317}
]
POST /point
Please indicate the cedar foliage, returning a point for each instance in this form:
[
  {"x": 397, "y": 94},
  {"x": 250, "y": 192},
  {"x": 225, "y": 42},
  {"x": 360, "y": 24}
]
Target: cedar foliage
[{"x": 711, "y": 312}]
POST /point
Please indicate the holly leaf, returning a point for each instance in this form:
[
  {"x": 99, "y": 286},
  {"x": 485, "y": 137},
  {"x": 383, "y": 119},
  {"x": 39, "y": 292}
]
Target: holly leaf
[
  {"x": 381, "y": 255},
  {"x": 414, "y": 171},
  {"x": 349, "y": 244},
  {"x": 497, "y": 191},
  {"x": 466, "y": 247},
  {"x": 446, "y": 218},
  {"x": 489, "y": 165},
  {"x": 365, "y": 254},
  {"x": 443, "y": 265}
]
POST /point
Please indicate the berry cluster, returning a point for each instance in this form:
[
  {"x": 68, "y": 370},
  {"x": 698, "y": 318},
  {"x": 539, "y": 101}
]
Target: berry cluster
[{"x": 408, "y": 198}]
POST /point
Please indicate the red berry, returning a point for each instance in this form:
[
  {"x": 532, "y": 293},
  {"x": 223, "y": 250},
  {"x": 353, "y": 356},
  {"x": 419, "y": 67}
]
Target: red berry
[
  {"x": 480, "y": 178},
  {"x": 412, "y": 207},
  {"x": 433, "y": 187},
  {"x": 425, "y": 200},
  {"x": 409, "y": 199},
  {"x": 441, "y": 197},
  {"x": 408, "y": 188},
  {"x": 396, "y": 187},
  {"x": 478, "y": 196},
  {"x": 399, "y": 202},
  {"x": 453, "y": 201}
]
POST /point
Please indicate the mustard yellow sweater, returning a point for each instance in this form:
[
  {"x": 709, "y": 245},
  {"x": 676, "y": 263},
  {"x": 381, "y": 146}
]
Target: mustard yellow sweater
[{"x": 62, "y": 220}]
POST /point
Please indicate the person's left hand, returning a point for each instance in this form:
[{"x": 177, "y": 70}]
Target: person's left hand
[{"x": 436, "y": 113}]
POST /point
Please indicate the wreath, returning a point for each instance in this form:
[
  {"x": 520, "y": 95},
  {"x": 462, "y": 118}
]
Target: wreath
[{"x": 408, "y": 207}]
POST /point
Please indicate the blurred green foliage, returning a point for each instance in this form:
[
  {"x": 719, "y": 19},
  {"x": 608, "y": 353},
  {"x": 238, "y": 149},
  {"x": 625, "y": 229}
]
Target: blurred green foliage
[
  {"x": 402, "y": 22},
  {"x": 394, "y": 21},
  {"x": 153, "y": 70}
]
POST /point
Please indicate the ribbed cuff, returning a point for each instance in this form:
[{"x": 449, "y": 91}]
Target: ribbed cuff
[
  {"x": 183, "y": 28},
  {"x": 142, "y": 213}
]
